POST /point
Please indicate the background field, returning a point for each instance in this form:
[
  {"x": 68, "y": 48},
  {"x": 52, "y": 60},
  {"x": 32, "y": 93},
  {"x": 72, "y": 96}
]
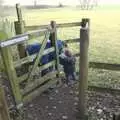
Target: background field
[{"x": 104, "y": 35}]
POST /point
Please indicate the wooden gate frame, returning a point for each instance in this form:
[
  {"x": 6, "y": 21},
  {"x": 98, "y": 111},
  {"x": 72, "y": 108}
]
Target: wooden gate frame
[
  {"x": 29, "y": 92},
  {"x": 4, "y": 114}
]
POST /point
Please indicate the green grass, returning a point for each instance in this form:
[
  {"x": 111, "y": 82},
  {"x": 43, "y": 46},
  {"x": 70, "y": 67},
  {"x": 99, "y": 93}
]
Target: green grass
[
  {"x": 105, "y": 29},
  {"x": 104, "y": 34}
]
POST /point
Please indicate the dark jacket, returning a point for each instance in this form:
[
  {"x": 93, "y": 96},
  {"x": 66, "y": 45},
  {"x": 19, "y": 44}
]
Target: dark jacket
[{"x": 68, "y": 64}]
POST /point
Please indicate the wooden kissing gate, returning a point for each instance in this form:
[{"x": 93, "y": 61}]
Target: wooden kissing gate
[
  {"x": 25, "y": 86},
  {"x": 32, "y": 87}
]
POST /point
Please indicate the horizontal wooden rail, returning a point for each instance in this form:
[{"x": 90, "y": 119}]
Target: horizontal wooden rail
[
  {"x": 39, "y": 90},
  {"x": 38, "y": 82},
  {"x": 72, "y": 40},
  {"x": 49, "y": 50},
  {"x": 15, "y": 40},
  {"x": 99, "y": 65},
  {"x": 25, "y": 76},
  {"x": 103, "y": 89},
  {"x": 61, "y": 25},
  {"x": 23, "y": 37},
  {"x": 32, "y": 57},
  {"x": 73, "y": 24},
  {"x": 106, "y": 66}
]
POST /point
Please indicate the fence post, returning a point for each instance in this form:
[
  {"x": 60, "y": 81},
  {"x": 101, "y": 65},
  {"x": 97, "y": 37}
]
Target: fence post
[
  {"x": 83, "y": 82},
  {"x": 53, "y": 38},
  {"x": 11, "y": 72},
  {"x": 20, "y": 29},
  {"x": 4, "y": 114}
]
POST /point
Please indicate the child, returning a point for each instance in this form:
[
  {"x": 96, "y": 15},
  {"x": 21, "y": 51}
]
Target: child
[{"x": 68, "y": 62}]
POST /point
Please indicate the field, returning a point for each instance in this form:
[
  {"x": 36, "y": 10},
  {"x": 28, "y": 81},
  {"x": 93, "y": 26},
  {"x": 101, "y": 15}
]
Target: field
[
  {"x": 104, "y": 35},
  {"x": 104, "y": 47}
]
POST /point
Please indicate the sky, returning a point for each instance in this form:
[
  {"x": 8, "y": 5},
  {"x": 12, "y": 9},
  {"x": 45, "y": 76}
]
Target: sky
[{"x": 55, "y": 2}]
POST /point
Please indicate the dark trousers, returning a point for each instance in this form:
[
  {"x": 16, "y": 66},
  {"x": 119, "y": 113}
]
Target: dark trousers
[{"x": 70, "y": 76}]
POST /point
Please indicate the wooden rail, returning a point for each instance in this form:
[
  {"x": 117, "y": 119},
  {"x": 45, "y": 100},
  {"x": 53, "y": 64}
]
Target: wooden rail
[
  {"x": 107, "y": 66},
  {"x": 32, "y": 57},
  {"x": 61, "y": 25},
  {"x": 39, "y": 90},
  {"x": 75, "y": 40},
  {"x": 104, "y": 89},
  {"x": 38, "y": 82},
  {"x": 25, "y": 76},
  {"x": 23, "y": 37}
]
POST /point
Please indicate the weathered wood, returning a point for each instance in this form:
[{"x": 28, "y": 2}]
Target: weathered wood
[
  {"x": 4, "y": 114},
  {"x": 61, "y": 25},
  {"x": 116, "y": 116},
  {"x": 38, "y": 91},
  {"x": 25, "y": 76},
  {"x": 19, "y": 13},
  {"x": 22, "y": 38},
  {"x": 72, "y": 40},
  {"x": 38, "y": 82},
  {"x": 14, "y": 40},
  {"x": 83, "y": 82},
  {"x": 39, "y": 56},
  {"x": 19, "y": 26},
  {"x": 106, "y": 66},
  {"x": 53, "y": 38},
  {"x": 20, "y": 29},
  {"x": 72, "y": 24},
  {"x": 32, "y": 57},
  {"x": 11, "y": 72},
  {"x": 104, "y": 89},
  {"x": 99, "y": 65},
  {"x": 37, "y": 33}
]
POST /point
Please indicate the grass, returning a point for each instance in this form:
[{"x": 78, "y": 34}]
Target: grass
[{"x": 104, "y": 34}]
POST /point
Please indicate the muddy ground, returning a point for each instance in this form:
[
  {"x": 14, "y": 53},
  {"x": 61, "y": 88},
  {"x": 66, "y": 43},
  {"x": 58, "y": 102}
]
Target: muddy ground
[{"x": 61, "y": 103}]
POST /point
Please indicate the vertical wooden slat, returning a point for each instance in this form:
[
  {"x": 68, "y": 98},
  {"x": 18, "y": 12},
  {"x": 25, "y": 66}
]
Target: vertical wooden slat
[
  {"x": 4, "y": 114},
  {"x": 11, "y": 72},
  {"x": 39, "y": 56},
  {"x": 53, "y": 38},
  {"x": 20, "y": 29},
  {"x": 83, "y": 83}
]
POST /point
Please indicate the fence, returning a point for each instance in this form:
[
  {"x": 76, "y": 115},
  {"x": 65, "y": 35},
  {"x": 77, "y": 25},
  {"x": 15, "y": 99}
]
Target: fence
[
  {"x": 24, "y": 86},
  {"x": 97, "y": 65},
  {"x": 4, "y": 114}
]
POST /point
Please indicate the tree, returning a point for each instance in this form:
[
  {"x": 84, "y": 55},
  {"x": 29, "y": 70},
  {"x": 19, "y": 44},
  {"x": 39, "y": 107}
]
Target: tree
[
  {"x": 35, "y": 3},
  {"x": 60, "y": 4},
  {"x": 88, "y": 4},
  {"x": 1, "y": 8}
]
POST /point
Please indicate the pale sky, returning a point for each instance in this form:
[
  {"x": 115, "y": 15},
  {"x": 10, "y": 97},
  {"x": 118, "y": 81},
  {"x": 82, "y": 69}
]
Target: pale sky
[{"x": 55, "y": 2}]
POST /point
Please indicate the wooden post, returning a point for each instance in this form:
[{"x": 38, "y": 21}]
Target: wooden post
[
  {"x": 4, "y": 114},
  {"x": 53, "y": 38},
  {"x": 116, "y": 116},
  {"x": 11, "y": 72},
  {"x": 20, "y": 29},
  {"x": 83, "y": 83}
]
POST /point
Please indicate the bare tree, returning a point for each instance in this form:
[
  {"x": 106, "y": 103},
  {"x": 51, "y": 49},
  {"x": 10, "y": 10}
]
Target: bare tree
[
  {"x": 35, "y": 3},
  {"x": 88, "y": 4},
  {"x": 1, "y": 8}
]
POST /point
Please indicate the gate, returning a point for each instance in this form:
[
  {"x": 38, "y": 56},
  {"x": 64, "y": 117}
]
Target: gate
[
  {"x": 29, "y": 83},
  {"x": 4, "y": 114}
]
